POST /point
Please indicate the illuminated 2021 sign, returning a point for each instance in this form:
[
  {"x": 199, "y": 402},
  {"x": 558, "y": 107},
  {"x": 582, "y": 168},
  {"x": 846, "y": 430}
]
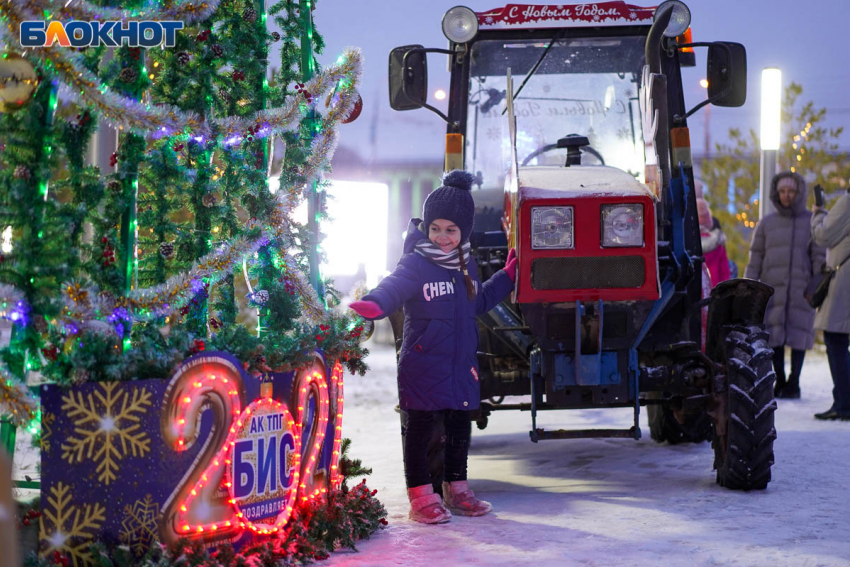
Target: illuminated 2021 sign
[{"x": 211, "y": 454}]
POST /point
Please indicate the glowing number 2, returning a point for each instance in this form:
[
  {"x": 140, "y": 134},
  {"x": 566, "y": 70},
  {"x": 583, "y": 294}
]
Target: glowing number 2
[
  {"x": 194, "y": 510},
  {"x": 311, "y": 380}
]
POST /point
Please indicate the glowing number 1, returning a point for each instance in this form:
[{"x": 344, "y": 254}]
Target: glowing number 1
[{"x": 336, "y": 407}]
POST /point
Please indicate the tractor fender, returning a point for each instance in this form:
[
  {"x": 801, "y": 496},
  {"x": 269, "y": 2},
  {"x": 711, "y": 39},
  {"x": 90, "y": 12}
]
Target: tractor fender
[{"x": 737, "y": 301}]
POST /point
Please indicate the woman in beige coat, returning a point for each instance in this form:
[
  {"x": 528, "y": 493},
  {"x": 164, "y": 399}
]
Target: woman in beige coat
[
  {"x": 783, "y": 256},
  {"x": 833, "y": 318}
]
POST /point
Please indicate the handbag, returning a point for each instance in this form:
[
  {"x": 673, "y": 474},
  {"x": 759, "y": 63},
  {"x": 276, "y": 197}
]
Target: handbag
[{"x": 819, "y": 284}]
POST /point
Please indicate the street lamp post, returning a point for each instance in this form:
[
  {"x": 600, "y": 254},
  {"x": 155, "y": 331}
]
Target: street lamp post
[{"x": 771, "y": 101}]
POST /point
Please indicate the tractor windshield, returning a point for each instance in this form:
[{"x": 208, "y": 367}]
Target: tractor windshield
[{"x": 586, "y": 86}]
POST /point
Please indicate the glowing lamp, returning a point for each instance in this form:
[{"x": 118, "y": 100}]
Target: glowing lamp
[
  {"x": 771, "y": 105},
  {"x": 460, "y": 24},
  {"x": 680, "y": 19}
]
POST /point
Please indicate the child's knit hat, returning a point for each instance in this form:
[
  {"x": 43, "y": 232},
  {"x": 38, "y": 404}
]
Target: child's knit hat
[{"x": 452, "y": 201}]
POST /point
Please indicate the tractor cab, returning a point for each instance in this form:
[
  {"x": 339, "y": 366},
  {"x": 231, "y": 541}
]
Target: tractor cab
[{"x": 573, "y": 119}]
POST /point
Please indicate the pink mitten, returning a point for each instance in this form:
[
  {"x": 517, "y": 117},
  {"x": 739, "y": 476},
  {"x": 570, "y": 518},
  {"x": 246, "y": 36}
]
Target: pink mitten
[
  {"x": 510, "y": 265},
  {"x": 367, "y": 309}
]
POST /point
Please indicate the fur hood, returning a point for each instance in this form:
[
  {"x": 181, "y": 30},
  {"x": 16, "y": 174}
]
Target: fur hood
[
  {"x": 799, "y": 205},
  {"x": 712, "y": 239}
]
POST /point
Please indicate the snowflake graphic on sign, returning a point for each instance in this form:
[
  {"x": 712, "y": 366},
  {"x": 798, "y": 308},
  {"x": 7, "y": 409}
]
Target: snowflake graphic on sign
[
  {"x": 106, "y": 427},
  {"x": 69, "y": 529},
  {"x": 47, "y": 420},
  {"x": 633, "y": 15},
  {"x": 139, "y": 527},
  {"x": 488, "y": 20}
]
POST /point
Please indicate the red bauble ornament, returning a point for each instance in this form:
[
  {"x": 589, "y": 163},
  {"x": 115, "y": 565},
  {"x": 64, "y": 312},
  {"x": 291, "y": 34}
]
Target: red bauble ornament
[{"x": 355, "y": 112}]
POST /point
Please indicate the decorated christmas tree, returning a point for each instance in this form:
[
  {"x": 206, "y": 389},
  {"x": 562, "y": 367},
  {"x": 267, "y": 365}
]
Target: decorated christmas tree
[{"x": 111, "y": 276}]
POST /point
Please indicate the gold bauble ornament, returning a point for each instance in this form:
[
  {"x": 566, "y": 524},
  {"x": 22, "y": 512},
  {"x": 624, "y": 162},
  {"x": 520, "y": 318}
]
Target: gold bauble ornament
[{"x": 18, "y": 81}]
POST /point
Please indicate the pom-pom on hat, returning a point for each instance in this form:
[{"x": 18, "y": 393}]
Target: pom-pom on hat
[{"x": 452, "y": 201}]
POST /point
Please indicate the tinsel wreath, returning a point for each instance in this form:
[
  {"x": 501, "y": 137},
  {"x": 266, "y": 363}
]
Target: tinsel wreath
[
  {"x": 166, "y": 120},
  {"x": 318, "y": 527}
]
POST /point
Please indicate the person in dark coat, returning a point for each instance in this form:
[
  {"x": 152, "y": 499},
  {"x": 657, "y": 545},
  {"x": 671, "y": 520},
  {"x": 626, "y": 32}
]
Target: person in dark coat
[
  {"x": 437, "y": 283},
  {"x": 783, "y": 255},
  {"x": 833, "y": 231}
]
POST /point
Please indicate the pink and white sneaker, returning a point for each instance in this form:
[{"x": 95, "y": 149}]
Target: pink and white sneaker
[
  {"x": 461, "y": 500},
  {"x": 427, "y": 507}
]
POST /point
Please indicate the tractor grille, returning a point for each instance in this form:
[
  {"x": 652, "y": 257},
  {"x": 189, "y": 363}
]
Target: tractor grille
[{"x": 602, "y": 272}]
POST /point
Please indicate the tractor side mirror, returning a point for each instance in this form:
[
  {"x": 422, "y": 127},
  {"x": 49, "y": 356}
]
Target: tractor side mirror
[
  {"x": 408, "y": 77},
  {"x": 726, "y": 72}
]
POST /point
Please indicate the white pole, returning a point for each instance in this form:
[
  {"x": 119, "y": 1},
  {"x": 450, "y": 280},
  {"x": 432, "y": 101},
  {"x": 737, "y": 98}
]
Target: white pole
[{"x": 771, "y": 107}]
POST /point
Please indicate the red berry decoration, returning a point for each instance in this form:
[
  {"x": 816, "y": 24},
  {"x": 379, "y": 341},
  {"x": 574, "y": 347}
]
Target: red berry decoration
[
  {"x": 135, "y": 52},
  {"x": 383, "y": 521},
  {"x": 113, "y": 159},
  {"x": 51, "y": 353},
  {"x": 358, "y": 108},
  {"x": 238, "y": 76}
]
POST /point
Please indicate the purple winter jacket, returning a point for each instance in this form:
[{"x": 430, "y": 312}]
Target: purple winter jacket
[{"x": 437, "y": 365}]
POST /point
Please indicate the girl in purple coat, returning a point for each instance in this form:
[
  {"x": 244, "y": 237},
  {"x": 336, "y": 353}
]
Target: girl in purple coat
[{"x": 436, "y": 281}]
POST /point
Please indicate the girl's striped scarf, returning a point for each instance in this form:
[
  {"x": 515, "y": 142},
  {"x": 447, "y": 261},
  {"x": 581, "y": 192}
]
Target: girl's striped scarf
[{"x": 448, "y": 260}]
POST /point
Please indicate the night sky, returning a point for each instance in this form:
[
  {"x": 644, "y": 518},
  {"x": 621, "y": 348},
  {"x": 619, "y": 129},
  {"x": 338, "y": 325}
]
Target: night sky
[{"x": 807, "y": 40}]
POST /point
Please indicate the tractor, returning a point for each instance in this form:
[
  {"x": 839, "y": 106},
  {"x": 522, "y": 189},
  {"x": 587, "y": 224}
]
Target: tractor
[{"x": 572, "y": 118}]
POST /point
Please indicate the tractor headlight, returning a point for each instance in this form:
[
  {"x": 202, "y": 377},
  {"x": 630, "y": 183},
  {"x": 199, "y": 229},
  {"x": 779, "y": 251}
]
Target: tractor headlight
[
  {"x": 622, "y": 225},
  {"x": 680, "y": 19},
  {"x": 551, "y": 227},
  {"x": 460, "y": 24}
]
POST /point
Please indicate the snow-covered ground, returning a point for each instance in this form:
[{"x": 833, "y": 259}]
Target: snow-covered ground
[
  {"x": 610, "y": 502},
  {"x": 603, "y": 502}
]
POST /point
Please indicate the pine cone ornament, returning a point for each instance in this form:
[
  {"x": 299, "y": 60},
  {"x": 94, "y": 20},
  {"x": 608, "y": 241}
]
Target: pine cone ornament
[
  {"x": 276, "y": 36},
  {"x": 22, "y": 172},
  {"x": 128, "y": 74},
  {"x": 80, "y": 376},
  {"x": 183, "y": 58},
  {"x": 114, "y": 185},
  {"x": 217, "y": 50},
  {"x": 261, "y": 297},
  {"x": 166, "y": 250},
  {"x": 249, "y": 15},
  {"x": 224, "y": 94},
  {"x": 209, "y": 200}
]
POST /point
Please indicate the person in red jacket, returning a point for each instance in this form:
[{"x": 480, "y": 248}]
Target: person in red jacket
[{"x": 713, "y": 245}]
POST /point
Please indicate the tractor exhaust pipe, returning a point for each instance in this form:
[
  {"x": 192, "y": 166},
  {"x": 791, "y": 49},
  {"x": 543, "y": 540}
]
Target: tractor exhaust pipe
[{"x": 652, "y": 50}]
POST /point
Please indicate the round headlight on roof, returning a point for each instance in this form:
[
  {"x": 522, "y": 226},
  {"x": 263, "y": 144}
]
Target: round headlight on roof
[
  {"x": 460, "y": 24},
  {"x": 680, "y": 19}
]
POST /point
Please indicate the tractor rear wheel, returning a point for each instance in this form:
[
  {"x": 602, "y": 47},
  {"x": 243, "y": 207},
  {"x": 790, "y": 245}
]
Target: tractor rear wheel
[
  {"x": 744, "y": 410},
  {"x": 663, "y": 426}
]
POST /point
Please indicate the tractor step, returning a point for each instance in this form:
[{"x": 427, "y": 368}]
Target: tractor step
[{"x": 541, "y": 434}]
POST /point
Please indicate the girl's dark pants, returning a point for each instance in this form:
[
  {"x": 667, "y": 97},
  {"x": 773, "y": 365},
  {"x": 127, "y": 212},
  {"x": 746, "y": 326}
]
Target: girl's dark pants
[{"x": 417, "y": 434}]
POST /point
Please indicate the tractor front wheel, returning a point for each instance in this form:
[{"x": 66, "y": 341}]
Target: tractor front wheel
[{"x": 744, "y": 410}]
